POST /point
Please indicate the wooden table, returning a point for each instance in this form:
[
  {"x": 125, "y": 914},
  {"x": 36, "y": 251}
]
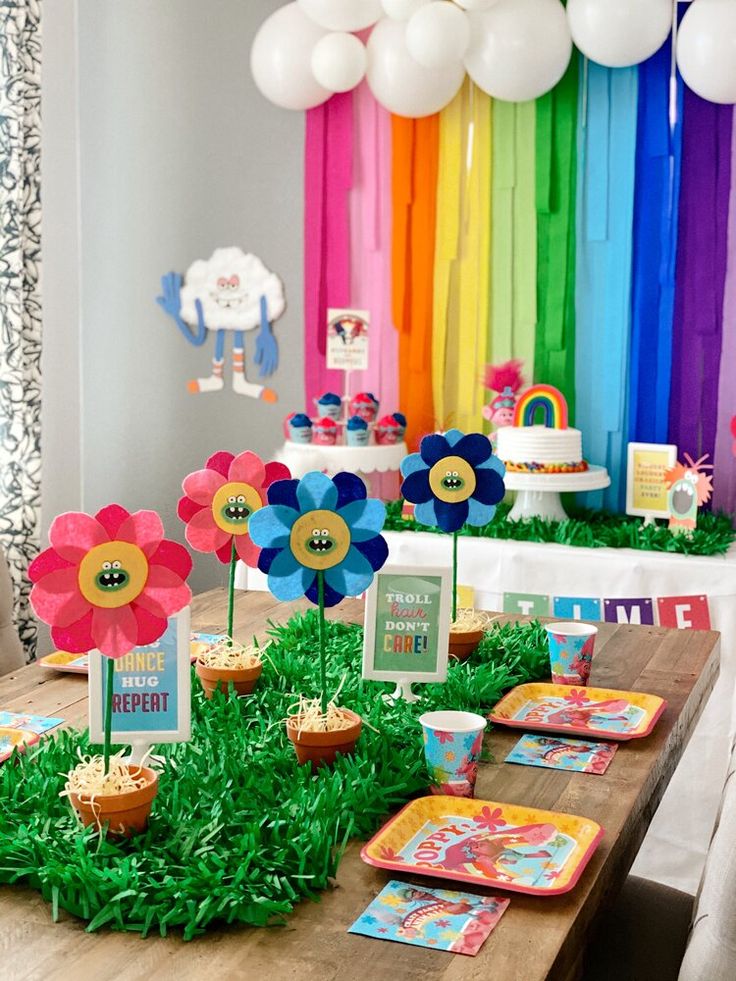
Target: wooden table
[{"x": 538, "y": 938}]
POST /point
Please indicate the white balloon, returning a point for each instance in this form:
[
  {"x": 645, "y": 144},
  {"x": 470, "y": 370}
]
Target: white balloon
[
  {"x": 706, "y": 49},
  {"x": 475, "y": 4},
  {"x": 438, "y": 34},
  {"x": 402, "y": 9},
  {"x": 618, "y": 33},
  {"x": 280, "y": 59},
  {"x": 401, "y": 84},
  {"x": 342, "y": 15},
  {"x": 519, "y": 49},
  {"x": 338, "y": 62}
]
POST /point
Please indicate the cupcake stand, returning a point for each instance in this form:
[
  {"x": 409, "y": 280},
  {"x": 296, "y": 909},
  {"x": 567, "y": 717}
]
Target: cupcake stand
[
  {"x": 378, "y": 465},
  {"x": 538, "y": 495}
]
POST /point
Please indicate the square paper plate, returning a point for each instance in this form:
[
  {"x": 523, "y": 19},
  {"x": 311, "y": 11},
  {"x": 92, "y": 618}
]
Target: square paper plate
[
  {"x": 79, "y": 663},
  {"x": 522, "y": 849},
  {"x": 11, "y": 738},
  {"x": 580, "y": 711}
]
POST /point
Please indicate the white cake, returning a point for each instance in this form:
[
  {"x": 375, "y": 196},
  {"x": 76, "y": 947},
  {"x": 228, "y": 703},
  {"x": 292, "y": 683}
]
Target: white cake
[{"x": 540, "y": 449}]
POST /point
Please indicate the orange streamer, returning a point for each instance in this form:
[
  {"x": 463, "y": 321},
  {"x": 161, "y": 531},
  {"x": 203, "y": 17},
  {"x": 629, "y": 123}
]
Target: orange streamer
[{"x": 415, "y": 163}]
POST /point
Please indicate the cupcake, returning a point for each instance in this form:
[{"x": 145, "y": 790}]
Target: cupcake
[
  {"x": 401, "y": 420},
  {"x": 365, "y": 405},
  {"x": 357, "y": 431},
  {"x": 387, "y": 431},
  {"x": 329, "y": 406},
  {"x": 325, "y": 432},
  {"x": 300, "y": 428}
]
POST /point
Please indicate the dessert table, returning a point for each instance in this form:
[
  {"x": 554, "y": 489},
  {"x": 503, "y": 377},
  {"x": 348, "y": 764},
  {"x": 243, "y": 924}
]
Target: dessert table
[{"x": 538, "y": 938}]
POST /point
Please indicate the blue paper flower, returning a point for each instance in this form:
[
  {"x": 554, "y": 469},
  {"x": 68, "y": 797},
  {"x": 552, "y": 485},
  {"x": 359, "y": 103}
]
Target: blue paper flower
[
  {"x": 319, "y": 524},
  {"x": 453, "y": 480}
]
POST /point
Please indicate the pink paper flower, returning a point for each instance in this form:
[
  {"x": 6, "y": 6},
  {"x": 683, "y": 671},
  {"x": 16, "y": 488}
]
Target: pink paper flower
[
  {"x": 110, "y": 581},
  {"x": 219, "y": 500}
]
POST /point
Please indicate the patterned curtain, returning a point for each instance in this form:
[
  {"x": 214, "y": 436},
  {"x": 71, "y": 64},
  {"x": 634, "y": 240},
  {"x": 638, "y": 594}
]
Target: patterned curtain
[{"x": 20, "y": 298}]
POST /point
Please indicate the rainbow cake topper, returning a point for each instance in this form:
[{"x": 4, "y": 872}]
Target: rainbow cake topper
[{"x": 545, "y": 397}]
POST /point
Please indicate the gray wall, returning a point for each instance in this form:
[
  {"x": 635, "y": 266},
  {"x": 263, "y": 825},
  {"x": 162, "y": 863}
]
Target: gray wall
[{"x": 179, "y": 154}]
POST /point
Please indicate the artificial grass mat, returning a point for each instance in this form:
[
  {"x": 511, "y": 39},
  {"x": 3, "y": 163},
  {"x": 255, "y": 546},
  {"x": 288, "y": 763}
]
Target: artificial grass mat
[
  {"x": 239, "y": 832},
  {"x": 592, "y": 529}
]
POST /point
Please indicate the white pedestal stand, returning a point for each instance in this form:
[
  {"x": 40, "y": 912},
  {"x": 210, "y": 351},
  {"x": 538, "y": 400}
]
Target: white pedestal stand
[
  {"x": 539, "y": 494},
  {"x": 401, "y": 691}
]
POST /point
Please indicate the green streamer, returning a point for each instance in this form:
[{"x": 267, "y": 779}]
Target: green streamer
[{"x": 556, "y": 153}]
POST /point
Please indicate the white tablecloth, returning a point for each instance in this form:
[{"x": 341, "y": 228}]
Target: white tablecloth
[{"x": 675, "y": 847}]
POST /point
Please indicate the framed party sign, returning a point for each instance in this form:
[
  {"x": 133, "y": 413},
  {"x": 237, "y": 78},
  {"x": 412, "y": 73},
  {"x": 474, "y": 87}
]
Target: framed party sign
[
  {"x": 407, "y": 624},
  {"x": 646, "y": 491},
  {"x": 151, "y": 700}
]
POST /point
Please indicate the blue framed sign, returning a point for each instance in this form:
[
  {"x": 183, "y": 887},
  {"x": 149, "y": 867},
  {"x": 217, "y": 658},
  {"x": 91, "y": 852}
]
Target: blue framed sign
[{"x": 151, "y": 700}]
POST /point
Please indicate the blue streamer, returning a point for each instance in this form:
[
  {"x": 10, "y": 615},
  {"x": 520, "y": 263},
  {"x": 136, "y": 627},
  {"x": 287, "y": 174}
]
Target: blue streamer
[
  {"x": 607, "y": 124},
  {"x": 658, "y": 164}
]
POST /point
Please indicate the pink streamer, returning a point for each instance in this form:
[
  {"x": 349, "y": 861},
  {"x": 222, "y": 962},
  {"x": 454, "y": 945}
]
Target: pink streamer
[
  {"x": 328, "y": 174},
  {"x": 370, "y": 252},
  {"x": 724, "y": 475}
]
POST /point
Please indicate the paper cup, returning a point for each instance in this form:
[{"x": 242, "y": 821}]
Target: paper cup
[
  {"x": 570, "y": 652},
  {"x": 453, "y": 742}
]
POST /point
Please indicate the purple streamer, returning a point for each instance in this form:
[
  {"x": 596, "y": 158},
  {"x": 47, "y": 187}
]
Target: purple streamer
[
  {"x": 724, "y": 475},
  {"x": 701, "y": 274}
]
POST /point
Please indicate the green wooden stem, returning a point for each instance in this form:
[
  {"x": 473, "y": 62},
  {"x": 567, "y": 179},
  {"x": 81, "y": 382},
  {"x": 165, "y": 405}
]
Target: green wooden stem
[
  {"x": 231, "y": 593},
  {"x": 322, "y": 655},
  {"x": 110, "y": 669},
  {"x": 454, "y": 576}
]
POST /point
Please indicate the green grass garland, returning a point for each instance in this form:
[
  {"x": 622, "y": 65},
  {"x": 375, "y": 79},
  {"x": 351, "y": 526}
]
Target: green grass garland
[
  {"x": 239, "y": 832},
  {"x": 592, "y": 529}
]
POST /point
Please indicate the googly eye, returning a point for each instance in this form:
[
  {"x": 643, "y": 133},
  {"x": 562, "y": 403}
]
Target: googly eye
[
  {"x": 315, "y": 532},
  {"x": 455, "y": 473},
  {"x": 117, "y": 565},
  {"x": 241, "y": 498},
  {"x": 325, "y": 532},
  {"x": 232, "y": 499},
  {"x": 107, "y": 566}
]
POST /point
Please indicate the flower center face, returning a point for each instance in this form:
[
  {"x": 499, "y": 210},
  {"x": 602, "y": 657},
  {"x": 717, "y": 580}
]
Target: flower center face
[
  {"x": 112, "y": 574},
  {"x": 233, "y": 504},
  {"x": 320, "y": 540},
  {"x": 452, "y": 479}
]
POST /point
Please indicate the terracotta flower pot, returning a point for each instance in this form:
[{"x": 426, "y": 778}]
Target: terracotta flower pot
[
  {"x": 125, "y": 814},
  {"x": 464, "y": 642},
  {"x": 321, "y": 748},
  {"x": 243, "y": 679}
]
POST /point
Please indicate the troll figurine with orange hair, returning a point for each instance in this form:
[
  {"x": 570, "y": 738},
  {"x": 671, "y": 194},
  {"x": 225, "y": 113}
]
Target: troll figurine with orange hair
[{"x": 689, "y": 489}]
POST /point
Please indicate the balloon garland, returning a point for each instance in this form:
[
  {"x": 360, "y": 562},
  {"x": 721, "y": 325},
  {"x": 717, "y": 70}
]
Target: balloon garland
[{"x": 418, "y": 51}]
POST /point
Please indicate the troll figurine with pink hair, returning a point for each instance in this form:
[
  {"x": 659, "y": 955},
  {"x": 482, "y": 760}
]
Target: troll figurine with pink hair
[
  {"x": 689, "y": 489},
  {"x": 506, "y": 381}
]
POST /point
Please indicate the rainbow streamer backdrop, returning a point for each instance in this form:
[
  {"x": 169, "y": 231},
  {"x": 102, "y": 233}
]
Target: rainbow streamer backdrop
[{"x": 581, "y": 233}]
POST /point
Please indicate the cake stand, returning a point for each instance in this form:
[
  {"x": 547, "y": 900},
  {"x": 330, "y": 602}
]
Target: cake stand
[{"x": 538, "y": 494}]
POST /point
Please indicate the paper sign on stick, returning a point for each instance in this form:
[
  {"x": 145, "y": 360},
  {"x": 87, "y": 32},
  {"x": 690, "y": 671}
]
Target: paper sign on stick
[
  {"x": 347, "y": 339},
  {"x": 407, "y": 624},
  {"x": 576, "y": 608},
  {"x": 630, "y": 610},
  {"x": 151, "y": 690},
  {"x": 684, "y": 612},
  {"x": 527, "y": 604},
  {"x": 646, "y": 491}
]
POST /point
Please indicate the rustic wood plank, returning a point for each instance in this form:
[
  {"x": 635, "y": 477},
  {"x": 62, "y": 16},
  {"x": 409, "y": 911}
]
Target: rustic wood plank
[{"x": 537, "y": 939}]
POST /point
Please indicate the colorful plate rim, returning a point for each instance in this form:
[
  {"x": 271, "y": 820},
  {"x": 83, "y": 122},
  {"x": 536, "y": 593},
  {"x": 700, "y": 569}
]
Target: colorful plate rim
[
  {"x": 408, "y": 869},
  {"x": 31, "y": 738},
  {"x": 577, "y": 730}
]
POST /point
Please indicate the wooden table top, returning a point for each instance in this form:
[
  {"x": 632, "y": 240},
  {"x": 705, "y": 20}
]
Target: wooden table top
[{"x": 537, "y": 938}]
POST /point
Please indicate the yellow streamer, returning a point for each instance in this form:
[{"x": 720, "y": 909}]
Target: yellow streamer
[{"x": 462, "y": 259}]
